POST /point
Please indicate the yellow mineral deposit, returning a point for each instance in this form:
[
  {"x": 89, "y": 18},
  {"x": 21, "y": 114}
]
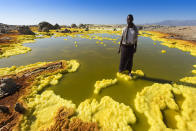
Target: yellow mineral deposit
[
  {"x": 103, "y": 84},
  {"x": 14, "y": 49},
  {"x": 43, "y": 107},
  {"x": 43, "y": 81},
  {"x": 194, "y": 71},
  {"x": 110, "y": 114},
  {"x": 17, "y": 47},
  {"x": 15, "y": 70},
  {"x": 154, "y": 100},
  {"x": 127, "y": 77},
  {"x": 163, "y": 51},
  {"x": 123, "y": 76},
  {"x": 190, "y": 79},
  {"x": 138, "y": 73},
  {"x": 26, "y": 38},
  {"x": 73, "y": 65}
]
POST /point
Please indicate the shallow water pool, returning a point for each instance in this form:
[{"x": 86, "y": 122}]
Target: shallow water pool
[{"x": 101, "y": 61}]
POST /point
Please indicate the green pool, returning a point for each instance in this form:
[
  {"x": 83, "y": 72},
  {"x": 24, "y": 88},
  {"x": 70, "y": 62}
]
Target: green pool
[{"x": 99, "y": 62}]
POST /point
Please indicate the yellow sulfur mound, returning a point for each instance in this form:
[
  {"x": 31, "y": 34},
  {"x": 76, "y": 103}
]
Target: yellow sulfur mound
[
  {"x": 15, "y": 70},
  {"x": 109, "y": 114},
  {"x": 163, "y": 51},
  {"x": 127, "y": 77},
  {"x": 123, "y": 76},
  {"x": 42, "y": 108},
  {"x": 43, "y": 81},
  {"x": 187, "y": 119},
  {"x": 17, "y": 47},
  {"x": 103, "y": 84},
  {"x": 73, "y": 65},
  {"x": 189, "y": 79},
  {"x": 154, "y": 100},
  {"x": 138, "y": 73},
  {"x": 194, "y": 71}
]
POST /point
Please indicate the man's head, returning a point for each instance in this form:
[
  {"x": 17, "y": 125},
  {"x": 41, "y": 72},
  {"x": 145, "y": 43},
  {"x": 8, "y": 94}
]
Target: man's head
[{"x": 130, "y": 19}]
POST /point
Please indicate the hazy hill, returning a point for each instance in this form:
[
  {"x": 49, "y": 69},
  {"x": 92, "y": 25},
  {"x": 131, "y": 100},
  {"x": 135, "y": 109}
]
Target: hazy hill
[{"x": 176, "y": 23}]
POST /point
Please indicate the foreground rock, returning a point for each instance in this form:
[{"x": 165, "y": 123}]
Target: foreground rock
[
  {"x": 25, "y": 30},
  {"x": 4, "y": 109},
  {"x": 7, "y": 87},
  {"x": 19, "y": 108}
]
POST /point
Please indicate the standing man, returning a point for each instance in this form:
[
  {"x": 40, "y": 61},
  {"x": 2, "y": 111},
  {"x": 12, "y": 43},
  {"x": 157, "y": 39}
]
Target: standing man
[{"x": 128, "y": 45}]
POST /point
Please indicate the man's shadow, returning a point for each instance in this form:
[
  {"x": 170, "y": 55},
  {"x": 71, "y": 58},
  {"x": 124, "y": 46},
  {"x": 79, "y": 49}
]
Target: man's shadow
[{"x": 163, "y": 81}]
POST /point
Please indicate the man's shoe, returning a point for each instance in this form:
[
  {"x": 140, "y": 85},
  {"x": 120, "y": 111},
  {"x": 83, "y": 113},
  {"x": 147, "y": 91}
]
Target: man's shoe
[{"x": 130, "y": 75}]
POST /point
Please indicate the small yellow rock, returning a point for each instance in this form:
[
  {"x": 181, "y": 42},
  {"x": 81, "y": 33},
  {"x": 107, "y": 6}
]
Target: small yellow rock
[{"x": 163, "y": 51}]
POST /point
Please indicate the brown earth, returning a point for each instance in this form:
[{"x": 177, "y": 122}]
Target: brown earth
[
  {"x": 178, "y": 32},
  {"x": 63, "y": 122},
  {"x": 8, "y": 38}
]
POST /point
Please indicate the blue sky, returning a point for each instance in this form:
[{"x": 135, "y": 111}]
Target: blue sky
[{"x": 94, "y": 11}]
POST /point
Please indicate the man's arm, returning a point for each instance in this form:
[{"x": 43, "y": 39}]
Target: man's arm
[
  {"x": 120, "y": 44},
  {"x": 135, "y": 46}
]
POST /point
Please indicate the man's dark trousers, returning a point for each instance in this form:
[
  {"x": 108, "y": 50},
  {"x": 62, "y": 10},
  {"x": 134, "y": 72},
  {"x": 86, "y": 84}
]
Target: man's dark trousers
[{"x": 126, "y": 59}]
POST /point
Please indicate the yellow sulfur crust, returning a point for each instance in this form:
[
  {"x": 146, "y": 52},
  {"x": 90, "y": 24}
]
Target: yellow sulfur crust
[
  {"x": 153, "y": 100},
  {"x": 110, "y": 114},
  {"x": 103, "y": 84}
]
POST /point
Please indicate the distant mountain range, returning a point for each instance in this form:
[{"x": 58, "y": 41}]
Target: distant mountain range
[{"x": 176, "y": 23}]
